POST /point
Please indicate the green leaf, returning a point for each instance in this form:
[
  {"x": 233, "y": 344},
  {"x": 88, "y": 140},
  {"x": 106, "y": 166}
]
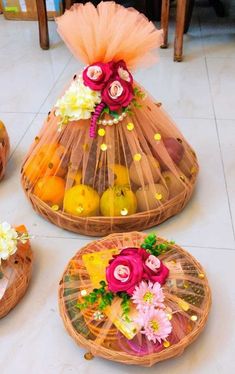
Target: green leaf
[{"x": 114, "y": 114}]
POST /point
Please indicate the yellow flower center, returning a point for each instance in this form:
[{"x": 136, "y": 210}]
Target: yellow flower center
[
  {"x": 154, "y": 325},
  {"x": 148, "y": 297}
]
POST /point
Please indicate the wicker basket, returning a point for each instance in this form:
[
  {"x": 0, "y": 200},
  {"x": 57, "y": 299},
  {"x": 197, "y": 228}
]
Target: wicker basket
[
  {"x": 187, "y": 292},
  {"x": 17, "y": 272},
  {"x": 4, "y": 149},
  {"x": 101, "y": 226}
]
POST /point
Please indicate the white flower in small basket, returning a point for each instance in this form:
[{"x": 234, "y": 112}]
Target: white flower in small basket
[{"x": 9, "y": 239}]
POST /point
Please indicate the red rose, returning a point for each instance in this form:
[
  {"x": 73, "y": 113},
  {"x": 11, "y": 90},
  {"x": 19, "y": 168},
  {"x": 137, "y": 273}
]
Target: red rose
[
  {"x": 117, "y": 93},
  {"x": 124, "y": 272},
  {"x": 153, "y": 269},
  {"x": 96, "y": 76},
  {"x": 123, "y": 72}
]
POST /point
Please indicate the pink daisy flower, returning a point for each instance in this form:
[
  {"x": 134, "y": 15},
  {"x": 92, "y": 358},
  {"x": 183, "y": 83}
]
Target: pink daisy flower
[
  {"x": 156, "y": 325},
  {"x": 148, "y": 295}
]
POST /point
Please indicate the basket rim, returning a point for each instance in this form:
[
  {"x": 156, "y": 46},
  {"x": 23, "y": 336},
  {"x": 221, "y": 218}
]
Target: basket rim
[{"x": 172, "y": 351}]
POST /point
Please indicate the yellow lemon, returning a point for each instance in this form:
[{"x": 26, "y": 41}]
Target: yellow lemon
[
  {"x": 81, "y": 200},
  {"x": 121, "y": 174}
]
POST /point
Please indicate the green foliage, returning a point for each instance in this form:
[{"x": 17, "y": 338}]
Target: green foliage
[
  {"x": 98, "y": 295},
  {"x": 125, "y": 304},
  {"x": 151, "y": 245}
]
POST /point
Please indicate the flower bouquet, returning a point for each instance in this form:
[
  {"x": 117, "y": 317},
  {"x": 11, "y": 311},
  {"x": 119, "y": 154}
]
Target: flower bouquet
[
  {"x": 15, "y": 265},
  {"x": 134, "y": 298},
  {"x": 108, "y": 158},
  {"x": 4, "y": 149}
]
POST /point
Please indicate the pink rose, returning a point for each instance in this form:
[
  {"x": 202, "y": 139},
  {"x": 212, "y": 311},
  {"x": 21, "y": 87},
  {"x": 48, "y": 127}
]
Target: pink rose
[
  {"x": 96, "y": 76},
  {"x": 153, "y": 269},
  {"x": 123, "y": 72},
  {"x": 117, "y": 93},
  {"x": 124, "y": 272}
]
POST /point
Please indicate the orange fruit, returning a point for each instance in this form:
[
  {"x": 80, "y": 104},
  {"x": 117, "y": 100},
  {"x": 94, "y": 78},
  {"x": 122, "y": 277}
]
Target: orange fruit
[
  {"x": 50, "y": 189},
  {"x": 46, "y": 161}
]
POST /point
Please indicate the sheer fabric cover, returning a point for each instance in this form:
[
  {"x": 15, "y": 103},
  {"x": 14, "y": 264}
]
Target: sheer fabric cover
[{"x": 133, "y": 174}]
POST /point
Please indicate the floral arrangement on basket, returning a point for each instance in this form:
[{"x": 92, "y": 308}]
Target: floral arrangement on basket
[
  {"x": 134, "y": 298},
  {"x": 108, "y": 158},
  {"x": 15, "y": 265},
  {"x": 4, "y": 149},
  {"x": 136, "y": 276}
]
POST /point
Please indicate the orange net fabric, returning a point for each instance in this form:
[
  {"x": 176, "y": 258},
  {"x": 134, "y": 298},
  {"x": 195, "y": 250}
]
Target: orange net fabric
[
  {"x": 122, "y": 165},
  {"x": 112, "y": 331},
  {"x": 4, "y": 149},
  {"x": 15, "y": 273}
]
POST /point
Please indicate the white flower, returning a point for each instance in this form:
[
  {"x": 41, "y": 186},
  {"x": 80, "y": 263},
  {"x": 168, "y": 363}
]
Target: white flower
[
  {"x": 77, "y": 103},
  {"x": 8, "y": 241}
]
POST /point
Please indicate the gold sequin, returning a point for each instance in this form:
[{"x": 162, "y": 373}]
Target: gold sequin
[
  {"x": 201, "y": 276},
  {"x": 55, "y": 207},
  {"x": 88, "y": 356},
  {"x": 182, "y": 178},
  {"x": 179, "y": 140},
  {"x": 50, "y": 165},
  {"x": 80, "y": 209},
  {"x": 130, "y": 126},
  {"x": 158, "y": 196},
  {"x": 85, "y": 147},
  {"x": 183, "y": 305},
  {"x": 101, "y": 132},
  {"x": 36, "y": 138},
  {"x": 193, "y": 170},
  {"x": 166, "y": 344},
  {"x": 186, "y": 284},
  {"x": 103, "y": 147},
  {"x": 169, "y": 316},
  {"x": 193, "y": 318},
  {"x": 124, "y": 212},
  {"x": 137, "y": 157},
  {"x": 157, "y": 136}
]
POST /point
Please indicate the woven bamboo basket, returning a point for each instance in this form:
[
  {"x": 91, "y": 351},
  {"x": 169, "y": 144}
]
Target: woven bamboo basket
[
  {"x": 101, "y": 226},
  {"x": 4, "y": 149},
  {"x": 187, "y": 293},
  {"x": 17, "y": 272}
]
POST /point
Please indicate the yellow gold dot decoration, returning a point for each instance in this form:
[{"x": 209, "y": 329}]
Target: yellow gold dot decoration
[
  {"x": 193, "y": 170},
  {"x": 169, "y": 316},
  {"x": 124, "y": 212},
  {"x": 157, "y": 136},
  {"x": 201, "y": 276},
  {"x": 166, "y": 344},
  {"x": 80, "y": 209},
  {"x": 85, "y": 147},
  {"x": 88, "y": 356},
  {"x": 55, "y": 207},
  {"x": 137, "y": 157},
  {"x": 182, "y": 178},
  {"x": 183, "y": 305},
  {"x": 158, "y": 196},
  {"x": 103, "y": 147},
  {"x": 193, "y": 318},
  {"x": 36, "y": 138},
  {"x": 101, "y": 132},
  {"x": 130, "y": 126},
  {"x": 50, "y": 165}
]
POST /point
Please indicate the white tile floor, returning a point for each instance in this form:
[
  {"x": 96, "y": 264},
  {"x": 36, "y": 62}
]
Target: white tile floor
[{"x": 199, "y": 93}]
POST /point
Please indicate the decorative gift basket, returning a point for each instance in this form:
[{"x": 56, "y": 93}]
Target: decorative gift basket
[
  {"x": 134, "y": 298},
  {"x": 4, "y": 149},
  {"x": 15, "y": 265},
  {"x": 108, "y": 158}
]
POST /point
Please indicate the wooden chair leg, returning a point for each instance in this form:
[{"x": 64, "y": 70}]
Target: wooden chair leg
[
  {"x": 179, "y": 29},
  {"x": 165, "y": 21},
  {"x": 68, "y": 4},
  {"x": 42, "y": 23}
]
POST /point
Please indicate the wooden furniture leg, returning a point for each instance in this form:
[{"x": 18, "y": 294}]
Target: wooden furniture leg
[
  {"x": 42, "y": 23},
  {"x": 165, "y": 21},
  {"x": 179, "y": 29}
]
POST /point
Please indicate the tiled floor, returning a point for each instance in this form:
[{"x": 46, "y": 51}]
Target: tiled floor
[{"x": 199, "y": 93}]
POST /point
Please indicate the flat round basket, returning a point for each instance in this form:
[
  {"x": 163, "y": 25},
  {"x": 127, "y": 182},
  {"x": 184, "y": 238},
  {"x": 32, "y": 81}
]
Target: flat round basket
[
  {"x": 15, "y": 276},
  {"x": 4, "y": 149},
  {"x": 187, "y": 301}
]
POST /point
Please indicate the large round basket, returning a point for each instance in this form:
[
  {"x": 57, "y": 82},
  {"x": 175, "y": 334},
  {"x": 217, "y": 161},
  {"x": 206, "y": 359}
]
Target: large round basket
[
  {"x": 4, "y": 149},
  {"x": 16, "y": 274},
  {"x": 101, "y": 226},
  {"x": 187, "y": 296}
]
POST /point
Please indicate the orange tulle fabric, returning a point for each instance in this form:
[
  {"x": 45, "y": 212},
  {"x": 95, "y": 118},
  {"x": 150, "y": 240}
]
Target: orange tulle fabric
[{"x": 109, "y": 33}]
